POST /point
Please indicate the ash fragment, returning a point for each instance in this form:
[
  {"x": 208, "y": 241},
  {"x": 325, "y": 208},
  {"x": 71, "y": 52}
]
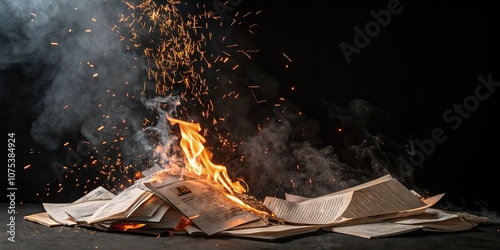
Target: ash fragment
[{"x": 255, "y": 203}]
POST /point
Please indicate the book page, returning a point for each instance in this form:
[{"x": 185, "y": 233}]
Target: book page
[
  {"x": 120, "y": 206},
  {"x": 382, "y": 198},
  {"x": 149, "y": 207},
  {"x": 374, "y": 219},
  {"x": 170, "y": 220},
  {"x": 152, "y": 185},
  {"x": 321, "y": 210},
  {"x": 98, "y": 193},
  {"x": 254, "y": 224},
  {"x": 430, "y": 215},
  {"x": 191, "y": 230},
  {"x": 42, "y": 218},
  {"x": 365, "y": 185},
  {"x": 450, "y": 225},
  {"x": 56, "y": 212},
  {"x": 143, "y": 213},
  {"x": 375, "y": 230},
  {"x": 384, "y": 217},
  {"x": 473, "y": 218},
  {"x": 295, "y": 198},
  {"x": 271, "y": 232},
  {"x": 437, "y": 220},
  {"x": 207, "y": 207},
  {"x": 82, "y": 211},
  {"x": 430, "y": 220}
]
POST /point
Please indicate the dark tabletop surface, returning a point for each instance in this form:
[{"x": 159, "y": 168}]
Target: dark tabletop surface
[{"x": 30, "y": 235}]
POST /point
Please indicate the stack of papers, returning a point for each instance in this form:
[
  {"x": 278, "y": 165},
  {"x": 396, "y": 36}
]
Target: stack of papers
[{"x": 168, "y": 204}]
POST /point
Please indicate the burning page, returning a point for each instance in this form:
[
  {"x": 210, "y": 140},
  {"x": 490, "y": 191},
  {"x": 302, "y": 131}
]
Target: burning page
[{"x": 207, "y": 207}]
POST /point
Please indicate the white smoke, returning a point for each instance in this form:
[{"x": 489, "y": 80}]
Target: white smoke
[{"x": 77, "y": 63}]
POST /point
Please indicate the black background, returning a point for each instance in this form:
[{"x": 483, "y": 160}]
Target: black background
[{"x": 425, "y": 60}]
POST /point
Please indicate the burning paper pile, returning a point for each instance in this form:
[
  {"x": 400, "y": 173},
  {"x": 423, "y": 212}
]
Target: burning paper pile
[
  {"x": 201, "y": 199},
  {"x": 162, "y": 203}
]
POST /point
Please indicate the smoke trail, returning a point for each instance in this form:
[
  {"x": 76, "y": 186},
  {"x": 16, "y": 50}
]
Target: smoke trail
[
  {"x": 156, "y": 146},
  {"x": 281, "y": 159},
  {"x": 277, "y": 164},
  {"x": 87, "y": 83},
  {"x": 78, "y": 62}
]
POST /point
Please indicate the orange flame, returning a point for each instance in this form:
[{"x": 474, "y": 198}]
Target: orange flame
[
  {"x": 183, "y": 223},
  {"x": 199, "y": 158},
  {"x": 132, "y": 226}
]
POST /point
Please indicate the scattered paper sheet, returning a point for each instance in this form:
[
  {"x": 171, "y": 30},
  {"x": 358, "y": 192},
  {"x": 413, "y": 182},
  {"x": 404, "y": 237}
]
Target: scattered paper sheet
[
  {"x": 208, "y": 208},
  {"x": 321, "y": 210}
]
